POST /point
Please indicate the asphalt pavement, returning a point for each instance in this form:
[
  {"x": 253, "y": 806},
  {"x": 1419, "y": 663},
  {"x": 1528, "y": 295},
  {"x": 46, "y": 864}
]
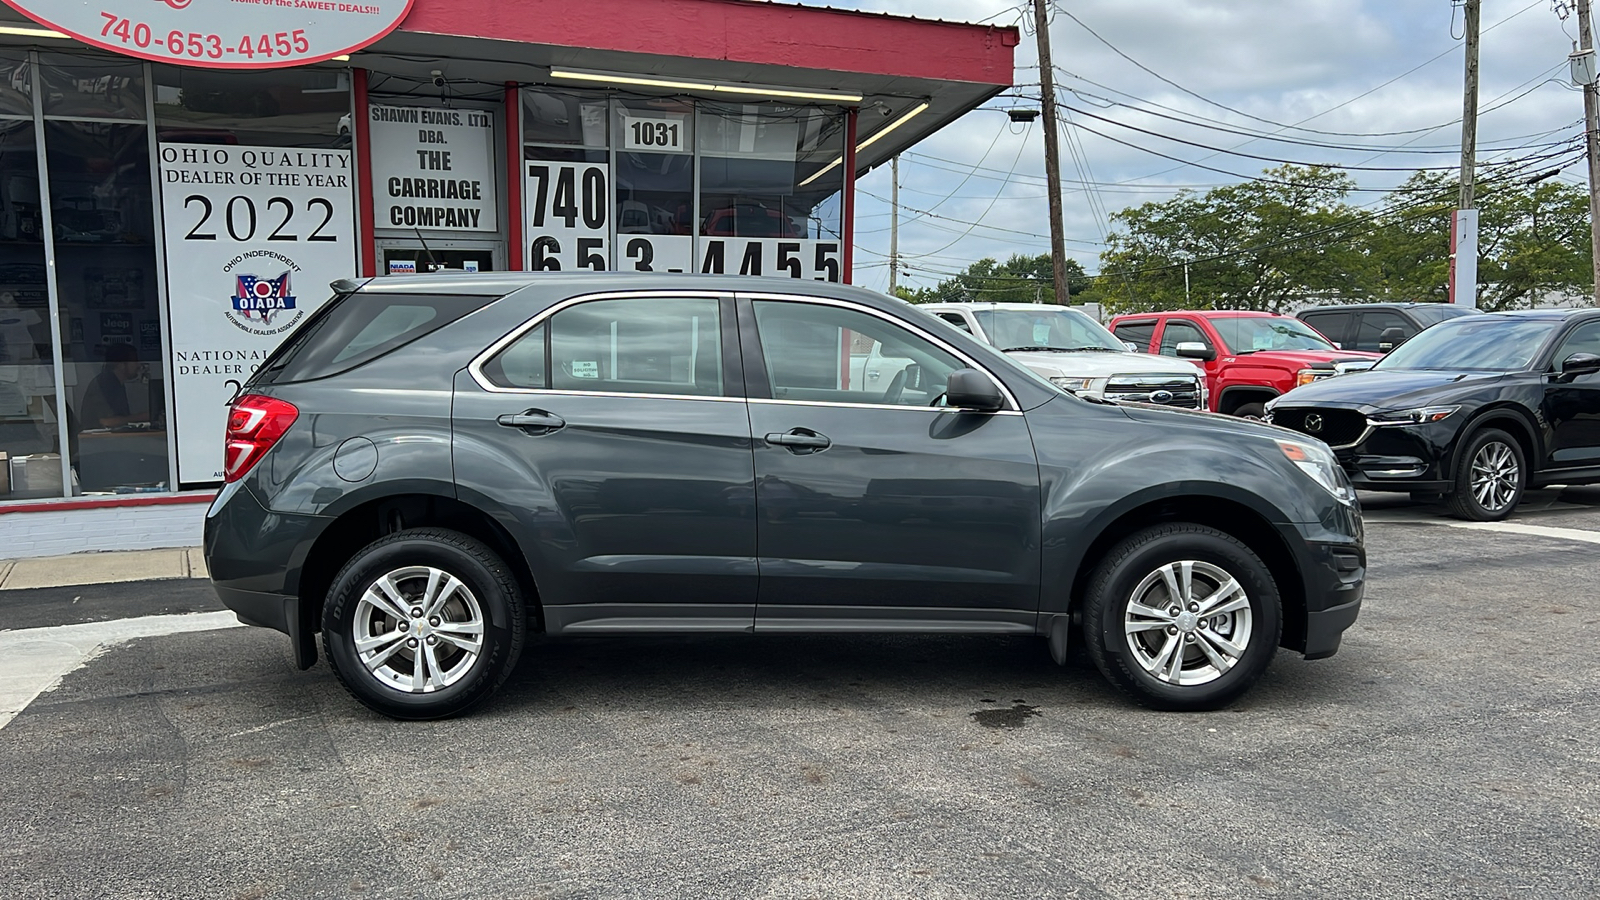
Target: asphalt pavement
[{"x": 1448, "y": 750}]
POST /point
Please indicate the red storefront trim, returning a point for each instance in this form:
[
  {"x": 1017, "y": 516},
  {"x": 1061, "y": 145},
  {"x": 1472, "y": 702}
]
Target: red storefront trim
[
  {"x": 739, "y": 31},
  {"x": 367, "y": 239},
  {"x": 134, "y": 500},
  {"x": 848, "y": 212},
  {"x": 514, "y": 177}
]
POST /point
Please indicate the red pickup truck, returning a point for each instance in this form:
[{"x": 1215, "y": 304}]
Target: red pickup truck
[{"x": 1248, "y": 357}]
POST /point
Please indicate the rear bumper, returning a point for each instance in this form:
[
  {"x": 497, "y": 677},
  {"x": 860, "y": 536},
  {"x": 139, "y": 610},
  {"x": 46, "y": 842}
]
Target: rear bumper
[{"x": 254, "y": 557}]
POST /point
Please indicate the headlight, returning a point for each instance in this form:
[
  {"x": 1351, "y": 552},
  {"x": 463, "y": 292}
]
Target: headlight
[
  {"x": 1074, "y": 385},
  {"x": 1420, "y": 416},
  {"x": 1304, "y": 377},
  {"x": 1317, "y": 461}
]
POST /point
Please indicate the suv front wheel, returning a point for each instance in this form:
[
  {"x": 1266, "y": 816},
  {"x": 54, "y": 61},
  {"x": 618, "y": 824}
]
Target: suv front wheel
[
  {"x": 1182, "y": 617},
  {"x": 1490, "y": 477},
  {"x": 423, "y": 624}
]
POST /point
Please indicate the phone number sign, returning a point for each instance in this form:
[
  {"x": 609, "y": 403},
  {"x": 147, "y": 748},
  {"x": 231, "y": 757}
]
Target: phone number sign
[{"x": 221, "y": 34}]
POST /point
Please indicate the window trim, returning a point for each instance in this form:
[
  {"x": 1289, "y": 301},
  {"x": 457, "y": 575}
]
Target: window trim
[
  {"x": 475, "y": 367},
  {"x": 1176, "y": 320},
  {"x": 1012, "y": 408}
]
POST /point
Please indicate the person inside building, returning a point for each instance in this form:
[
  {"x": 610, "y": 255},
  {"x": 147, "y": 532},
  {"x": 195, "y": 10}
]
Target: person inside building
[{"x": 105, "y": 403}]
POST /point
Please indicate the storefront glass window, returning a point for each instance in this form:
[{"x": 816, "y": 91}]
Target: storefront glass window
[
  {"x": 111, "y": 328},
  {"x": 97, "y": 87},
  {"x": 16, "y": 83},
  {"x": 281, "y": 108},
  {"x": 754, "y": 166},
  {"x": 30, "y": 460},
  {"x": 558, "y": 116}
]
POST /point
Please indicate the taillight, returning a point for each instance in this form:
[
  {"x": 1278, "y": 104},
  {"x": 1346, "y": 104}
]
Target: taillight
[{"x": 254, "y": 424}]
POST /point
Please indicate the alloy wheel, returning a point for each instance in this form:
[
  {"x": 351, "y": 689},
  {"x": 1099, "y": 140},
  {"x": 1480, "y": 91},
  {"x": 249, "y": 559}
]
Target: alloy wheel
[
  {"x": 1495, "y": 475},
  {"x": 418, "y": 629},
  {"x": 1188, "y": 623}
]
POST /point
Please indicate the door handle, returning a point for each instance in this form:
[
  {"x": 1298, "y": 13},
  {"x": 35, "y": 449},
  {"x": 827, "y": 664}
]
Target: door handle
[
  {"x": 534, "y": 421},
  {"x": 800, "y": 440}
]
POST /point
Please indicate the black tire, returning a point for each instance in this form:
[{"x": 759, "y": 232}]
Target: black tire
[
  {"x": 1251, "y": 411},
  {"x": 1126, "y": 574},
  {"x": 454, "y": 682},
  {"x": 1491, "y": 474}
]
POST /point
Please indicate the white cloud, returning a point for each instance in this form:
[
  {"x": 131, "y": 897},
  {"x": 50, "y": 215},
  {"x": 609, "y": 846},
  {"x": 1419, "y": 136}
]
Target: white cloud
[{"x": 1306, "y": 61}]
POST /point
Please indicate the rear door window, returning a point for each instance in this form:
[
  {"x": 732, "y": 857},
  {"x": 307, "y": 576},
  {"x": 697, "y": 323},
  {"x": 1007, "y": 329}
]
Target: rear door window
[
  {"x": 1335, "y": 326},
  {"x": 355, "y": 329},
  {"x": 1136, "y": 333}
]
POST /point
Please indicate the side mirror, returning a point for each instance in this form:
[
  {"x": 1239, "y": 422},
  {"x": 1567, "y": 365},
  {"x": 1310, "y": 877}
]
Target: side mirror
[
  {"x": 1578, "y": 364},
  {"x": 1391, "y": 338},
  {"x": 973, "y": 390},
  {"x": 1132, "y": 347},
  {"x": 1195, "y": 350}
]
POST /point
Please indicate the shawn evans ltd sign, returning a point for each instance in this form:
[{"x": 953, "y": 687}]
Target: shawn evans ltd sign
[{"x": 221, "y": 34}]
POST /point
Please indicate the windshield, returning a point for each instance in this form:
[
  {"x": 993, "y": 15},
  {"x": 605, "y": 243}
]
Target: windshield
[
  {"x": 1247, "y": 334},
  {"x": 1049, "y": 328},
  {"x": 1482, "y": 343}
]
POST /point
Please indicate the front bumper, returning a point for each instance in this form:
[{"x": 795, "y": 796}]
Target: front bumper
[
  {"x": 1333, "y": 570},
  {"x": 1390, "y": 457}
]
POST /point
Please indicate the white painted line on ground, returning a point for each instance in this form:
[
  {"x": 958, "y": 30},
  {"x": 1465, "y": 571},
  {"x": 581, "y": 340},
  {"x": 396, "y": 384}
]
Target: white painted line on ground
[
  {"x": 34, "y": 660},
  {"x": 1550, "y": 531}
]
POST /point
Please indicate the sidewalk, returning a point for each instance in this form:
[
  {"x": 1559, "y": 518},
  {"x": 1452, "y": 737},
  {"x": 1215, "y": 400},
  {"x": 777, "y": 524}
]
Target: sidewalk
[{"x": 101, "y": 568}]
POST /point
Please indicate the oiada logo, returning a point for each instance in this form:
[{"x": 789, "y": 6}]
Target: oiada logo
[
  {"x": 176, "y": 4},
  {"x": 259, "y": 302}
]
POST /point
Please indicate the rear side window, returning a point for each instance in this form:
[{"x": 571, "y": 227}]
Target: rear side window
[
  {"x": 1136, "y": 333},
  {"x": 355, "y": 329},
  {"x": 1335, "y": 326}
]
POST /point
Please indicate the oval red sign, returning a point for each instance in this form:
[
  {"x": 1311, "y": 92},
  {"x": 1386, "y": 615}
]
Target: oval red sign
[{"x": 222, "y": 34}]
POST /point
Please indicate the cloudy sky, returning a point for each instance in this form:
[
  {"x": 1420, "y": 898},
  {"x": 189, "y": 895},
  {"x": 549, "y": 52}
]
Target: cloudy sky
[{"x": 1350, "y": 69}]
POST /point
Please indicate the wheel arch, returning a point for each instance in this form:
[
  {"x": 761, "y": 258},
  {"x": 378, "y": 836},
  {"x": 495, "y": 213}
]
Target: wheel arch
[
  {"x": 1507, "y": 418},
  {"x": 1235, "y": 396},
  {"x": 1228, "y": 515},
  {"x": 361, "y": 524}
]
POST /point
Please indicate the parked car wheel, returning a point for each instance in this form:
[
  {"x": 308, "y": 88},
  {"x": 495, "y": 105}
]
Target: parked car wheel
[
  {"x": 1256, "y": 411},
  {"x": 1182, "y": 617},
  {"x": 423, "y": 624},
  {"x": 1490, "y": 478}
]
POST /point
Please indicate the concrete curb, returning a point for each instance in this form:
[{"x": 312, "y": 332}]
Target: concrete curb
[{"x": 101, "y": 568}]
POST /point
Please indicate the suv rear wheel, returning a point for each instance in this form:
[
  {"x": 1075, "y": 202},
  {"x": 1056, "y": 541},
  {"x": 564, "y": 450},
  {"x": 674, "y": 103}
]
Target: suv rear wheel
[
  {"x": 1182, "y": 617},
  {"x": 423, "y": 624}
]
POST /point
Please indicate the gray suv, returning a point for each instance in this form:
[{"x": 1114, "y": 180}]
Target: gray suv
[{"x": 434, "y": 467}]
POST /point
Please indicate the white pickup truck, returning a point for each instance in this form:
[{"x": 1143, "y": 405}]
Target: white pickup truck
[{"x": 1071, "y": 349}]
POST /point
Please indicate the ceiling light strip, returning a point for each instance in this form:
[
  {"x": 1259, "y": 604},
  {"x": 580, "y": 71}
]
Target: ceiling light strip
[{"x": 756, "y": 90}]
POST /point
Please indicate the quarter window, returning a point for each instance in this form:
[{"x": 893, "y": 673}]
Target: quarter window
[
  {"x": 521, "y": 365},
  {"x": 644, "y": 345},
  {"x": 831, "y": 354}
]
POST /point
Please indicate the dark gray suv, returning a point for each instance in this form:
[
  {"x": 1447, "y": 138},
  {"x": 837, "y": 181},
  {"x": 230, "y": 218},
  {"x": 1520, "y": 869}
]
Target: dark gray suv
[{"x": 433, "y": 467}]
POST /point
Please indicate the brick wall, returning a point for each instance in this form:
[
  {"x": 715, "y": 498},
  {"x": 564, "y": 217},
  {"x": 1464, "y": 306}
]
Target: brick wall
[{"x": 54, "y": 533}]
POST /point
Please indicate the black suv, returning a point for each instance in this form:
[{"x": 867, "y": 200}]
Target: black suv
[
  {"x": 1378, "y": 327},
  {"x": 1475, "y": 409},
  {"x": 433, "y": 467}
]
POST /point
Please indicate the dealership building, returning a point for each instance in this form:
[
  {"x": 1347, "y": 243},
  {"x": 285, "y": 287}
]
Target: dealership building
[{"x": 180, "y": 180}]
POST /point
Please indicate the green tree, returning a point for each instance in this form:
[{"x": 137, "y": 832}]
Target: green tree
[
  {"x": 1256, "y": 245},
  {"x": 1533, "y": 241},
  {"x": 1020, "y": 279}
]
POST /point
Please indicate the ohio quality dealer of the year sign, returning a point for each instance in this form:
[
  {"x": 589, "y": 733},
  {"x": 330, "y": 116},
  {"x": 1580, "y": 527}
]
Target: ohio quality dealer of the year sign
[{"x": 221, "y": 34}]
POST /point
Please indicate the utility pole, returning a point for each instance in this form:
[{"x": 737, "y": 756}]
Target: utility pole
[
  {"x": 1052, "y": 158},
  {"x": 894, "y": 224},
  {"x": 1464, "y": 226},
  {"x": 1591, "y": 122}
]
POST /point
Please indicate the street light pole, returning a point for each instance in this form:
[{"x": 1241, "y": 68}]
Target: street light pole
[{"x": 1184, "y": 257}]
